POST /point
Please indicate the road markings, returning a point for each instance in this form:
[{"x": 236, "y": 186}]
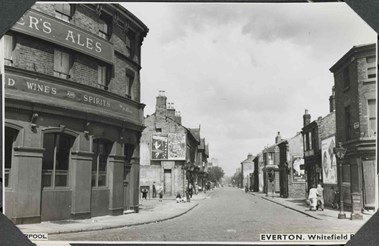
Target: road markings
[{"x": 231, "y": 230}]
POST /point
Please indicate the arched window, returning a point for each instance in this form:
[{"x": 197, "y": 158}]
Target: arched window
[
  {"x": 101, "y": 150},
  {"x": 10, "y": 137},
  {"x": 56, "y": 159}
]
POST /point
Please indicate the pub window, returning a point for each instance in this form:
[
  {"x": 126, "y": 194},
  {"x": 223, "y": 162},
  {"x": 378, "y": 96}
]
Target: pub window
[
  {"x": 347, "y": 123},
  {"x": 56, "y": 158},
  {"x": 9, "y": 45},
  {"x": 372, "y": 116},
  {"x": 62, "y": 64},
  {"x": 346, "y": 77},
  {"x": 101, "y": 149},
  {"x": 63, "y": 11},
  {"x": 10, "y": 138},
  {"x": 129, "y": 84},
  {"x": 102, "y": 76}
]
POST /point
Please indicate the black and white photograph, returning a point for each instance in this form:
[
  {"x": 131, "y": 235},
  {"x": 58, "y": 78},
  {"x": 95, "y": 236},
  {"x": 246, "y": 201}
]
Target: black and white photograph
[{"x": 141, "y": 122}]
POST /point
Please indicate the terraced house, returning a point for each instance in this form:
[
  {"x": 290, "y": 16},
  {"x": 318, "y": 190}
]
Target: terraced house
[{"x": 73, "y": 116}]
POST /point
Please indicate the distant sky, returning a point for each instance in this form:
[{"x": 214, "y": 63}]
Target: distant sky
[{"x": 244, "y": 71}]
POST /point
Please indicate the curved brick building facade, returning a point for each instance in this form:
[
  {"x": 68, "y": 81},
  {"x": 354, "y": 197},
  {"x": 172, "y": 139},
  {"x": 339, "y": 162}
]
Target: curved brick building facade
[{"x": 73, "y": 116}]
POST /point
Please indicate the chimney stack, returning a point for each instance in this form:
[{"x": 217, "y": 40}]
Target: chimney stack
[
  {"x": 170, "y": 110},
  {"x": 278, "y": 138},
  {"x": 332, "y": 100},
  {"x": 306, "y": 118},
  {"x": 178, "y": 117},
  {"x": 160, "y": 109}
]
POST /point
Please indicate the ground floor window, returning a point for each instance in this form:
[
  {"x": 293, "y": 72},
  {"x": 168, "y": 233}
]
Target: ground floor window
[
  {"x": 56, "y": 158},
  {"x": 101, "y": 149},
  {"x": 10, "y": 138}
]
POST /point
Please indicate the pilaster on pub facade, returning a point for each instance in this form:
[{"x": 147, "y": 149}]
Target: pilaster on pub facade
[{"x": 73, "y": 116}]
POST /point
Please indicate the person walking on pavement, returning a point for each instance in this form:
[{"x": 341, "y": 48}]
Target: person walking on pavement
[
  {"x": 154, "y": 191},
  {"x": 188, "y": 195},
  {"x": 320, "y": 197},
  {"x": 160, "y": 193},
  {"x": 190, "y": 189},
  {"x": 313, "y": 198}
]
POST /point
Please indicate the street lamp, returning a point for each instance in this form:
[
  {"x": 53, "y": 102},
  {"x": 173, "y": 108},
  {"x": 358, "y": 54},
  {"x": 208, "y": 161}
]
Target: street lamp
[{"x": 340, "y": 153}]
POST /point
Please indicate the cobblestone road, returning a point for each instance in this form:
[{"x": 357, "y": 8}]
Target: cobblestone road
[{"x": 228, "y": 215}]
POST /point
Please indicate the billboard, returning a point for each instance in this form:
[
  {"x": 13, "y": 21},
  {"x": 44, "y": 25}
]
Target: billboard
[
  {"x": 159, "y": 146},
  {"x": 329, "y": 163},
  {"x": 170, "y": 146},
  {"x": 298, "y": 174}
]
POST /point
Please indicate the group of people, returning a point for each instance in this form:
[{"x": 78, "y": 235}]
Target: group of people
[
  {"x": 159, "y": 190},
  {"x": 316, "y": 198},
  {"x": 155, "y": 191}
]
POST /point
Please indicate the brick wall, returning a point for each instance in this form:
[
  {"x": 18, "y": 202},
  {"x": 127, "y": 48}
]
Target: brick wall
[
  {"x": 38, "y": 55},
  {"x": 33, "y": 56},
  {"x": 327, "y": 126}
]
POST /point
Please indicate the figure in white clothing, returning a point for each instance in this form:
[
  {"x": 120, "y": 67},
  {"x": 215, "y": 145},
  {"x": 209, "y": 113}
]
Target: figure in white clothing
[{"x": 313, "y": 198}]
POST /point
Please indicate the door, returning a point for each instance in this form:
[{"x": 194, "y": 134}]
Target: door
[
  {"x": 368, "y": 183},
  {"x": 167, "y": 182}
]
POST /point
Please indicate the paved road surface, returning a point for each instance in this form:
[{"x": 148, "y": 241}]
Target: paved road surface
[{"x": 228, "y": 215}]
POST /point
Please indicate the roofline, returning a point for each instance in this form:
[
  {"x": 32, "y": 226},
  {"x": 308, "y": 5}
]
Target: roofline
[
  {"x": 184, "y": 128},
  {"x": 127, "y": 13},
  {"x": 353, "y": 51}
]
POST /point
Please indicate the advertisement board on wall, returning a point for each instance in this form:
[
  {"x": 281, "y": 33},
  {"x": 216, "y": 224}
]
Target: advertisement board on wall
[
  {"x": 159, "y": 146},
  {"x": 329, "y": 163},
  {"x": 298, "y": 174},
  {"x": 171, "y": 146}
]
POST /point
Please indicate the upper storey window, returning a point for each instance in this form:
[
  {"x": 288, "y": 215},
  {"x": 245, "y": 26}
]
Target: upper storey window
[
  {"x": 372, "y": 116},
  {"x": 102, "y": 76},
  {"x": 103, "y": 29},
  {"x": 129, "y": 79},
  {"x": 9, "y": 45},
  {"x": 62, "y": 64},
  {"x": 130, "y": 43},
  {"x": 346, "y": 77},
  {"x": 63, "y": 11},
  {"x": 371, "y": 67}
]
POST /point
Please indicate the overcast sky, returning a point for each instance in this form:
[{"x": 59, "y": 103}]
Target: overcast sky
[{"x": 244, "y": 71}]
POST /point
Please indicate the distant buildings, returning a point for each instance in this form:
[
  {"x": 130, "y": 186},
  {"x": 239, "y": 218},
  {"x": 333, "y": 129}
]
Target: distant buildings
[
  {"x": 292, "y": 166},
  {"x": 172, "y": 155},
  {"x": 247, "y": 169}
]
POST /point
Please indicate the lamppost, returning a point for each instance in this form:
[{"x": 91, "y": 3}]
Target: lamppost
[{"x": 340, "y": 153}]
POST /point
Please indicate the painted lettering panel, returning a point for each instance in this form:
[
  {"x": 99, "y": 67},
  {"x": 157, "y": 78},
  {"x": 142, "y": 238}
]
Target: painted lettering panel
[
  {"x": 48, "y": 28},
  {"x": 78, "y": 98}
]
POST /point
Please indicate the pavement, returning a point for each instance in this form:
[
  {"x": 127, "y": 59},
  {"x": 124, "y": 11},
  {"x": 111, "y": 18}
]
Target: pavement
[
  {"x": 300, "y": 205},
  {"x": 150, "y": 211}
]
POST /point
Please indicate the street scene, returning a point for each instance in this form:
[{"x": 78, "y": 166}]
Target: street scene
[
  {"x": 189, "y": 123},
  {"x": 216, "y": 217}
]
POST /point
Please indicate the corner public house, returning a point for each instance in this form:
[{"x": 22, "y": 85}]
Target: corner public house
[{"x": 73, "y": 116}]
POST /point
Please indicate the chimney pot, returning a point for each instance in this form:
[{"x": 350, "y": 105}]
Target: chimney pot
[{"x": 306, "y": 118}]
